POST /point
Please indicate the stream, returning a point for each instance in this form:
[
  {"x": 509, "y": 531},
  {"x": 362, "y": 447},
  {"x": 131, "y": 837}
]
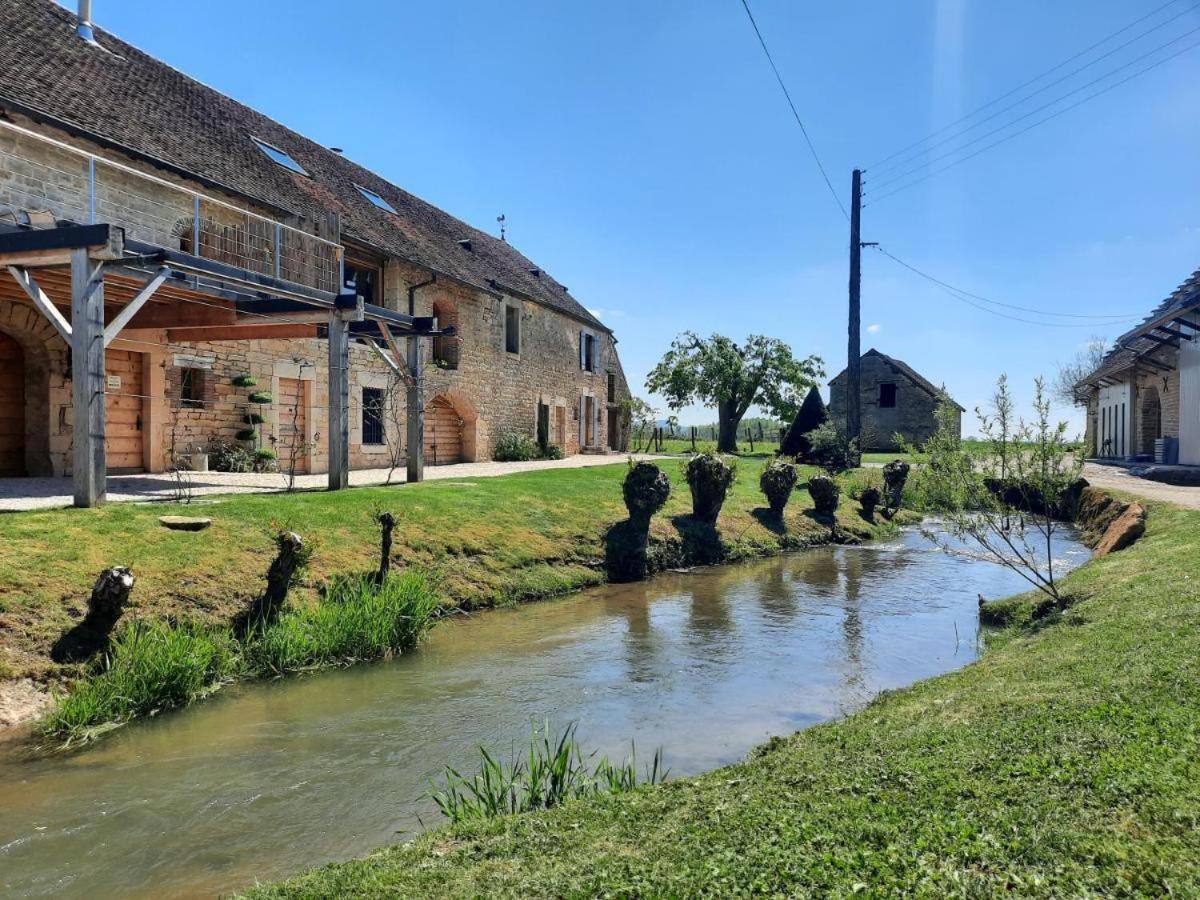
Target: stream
[{"x": 267, "y": 779}]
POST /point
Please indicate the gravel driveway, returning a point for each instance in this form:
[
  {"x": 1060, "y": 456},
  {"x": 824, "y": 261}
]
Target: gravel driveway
[{"x": 1119, "y": 479}]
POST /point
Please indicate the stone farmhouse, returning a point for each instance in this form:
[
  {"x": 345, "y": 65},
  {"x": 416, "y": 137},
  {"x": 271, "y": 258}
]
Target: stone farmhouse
[
  {"x": 177, "y": 269},
  {"x": 895, "y": 400},
  {"x": 1143, "y": 402}
]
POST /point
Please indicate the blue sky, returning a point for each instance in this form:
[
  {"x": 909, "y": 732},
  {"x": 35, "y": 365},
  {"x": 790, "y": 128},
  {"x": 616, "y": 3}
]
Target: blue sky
[{"x": 643, "y": 154}]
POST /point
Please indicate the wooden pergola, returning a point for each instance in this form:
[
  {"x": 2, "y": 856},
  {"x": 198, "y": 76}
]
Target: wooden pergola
[{"x": 92, "y": 285}]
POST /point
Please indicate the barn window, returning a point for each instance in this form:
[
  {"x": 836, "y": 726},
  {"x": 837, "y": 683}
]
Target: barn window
[
  {"x": 588, "y": 347},
  {"x": 365, "y": 275},
  {"x": 372, "y": 416},
  {"x": 887, "y": 396},
  {"x": 612, "y": 387},
  {"x": 191, "y": 388},
  {"x": 512, "y": 328}
]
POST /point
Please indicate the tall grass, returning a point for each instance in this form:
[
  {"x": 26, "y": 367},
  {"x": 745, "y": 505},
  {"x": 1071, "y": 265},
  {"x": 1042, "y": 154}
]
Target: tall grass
[
  {"x": 156, "y": 665},
  {"x": 152, "y": 665},
  {"x": 554, "y": 770}
]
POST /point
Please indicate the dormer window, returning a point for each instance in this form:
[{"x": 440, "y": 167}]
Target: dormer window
[
  {"x": 281, "y": 157},
  {"x": 375, "y": 198}
]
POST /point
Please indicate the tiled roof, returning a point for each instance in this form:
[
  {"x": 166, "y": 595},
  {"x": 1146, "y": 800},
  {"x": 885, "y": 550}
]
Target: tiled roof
[
  {"x": 1129, "y": 346},
  {"x": 907, "y": 371},
  {"x": 129, "y": 100}
]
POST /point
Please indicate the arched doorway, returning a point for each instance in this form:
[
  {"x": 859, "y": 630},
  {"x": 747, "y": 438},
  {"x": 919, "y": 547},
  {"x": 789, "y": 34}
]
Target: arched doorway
[
  {"x": 1150, "y": 426},
  {"x": 443, "y": 433},
  {"x": 12, "y": 407}
]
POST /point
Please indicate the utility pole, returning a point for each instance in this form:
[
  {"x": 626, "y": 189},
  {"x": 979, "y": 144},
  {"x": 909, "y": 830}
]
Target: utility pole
[{"x": 853, "y": 349}]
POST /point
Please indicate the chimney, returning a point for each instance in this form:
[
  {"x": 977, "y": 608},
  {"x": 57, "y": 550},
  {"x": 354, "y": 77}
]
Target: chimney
[{"x": 84, "y": 25}]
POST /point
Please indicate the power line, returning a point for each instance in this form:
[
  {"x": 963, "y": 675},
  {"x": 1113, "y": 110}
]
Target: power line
[
  {"x": 969, "y": 298},
  {"x": 903, "y": 162},
  {"x": 1026, "y": 84},
  {"x": 1053, "y": 115},
  {"x": 795, "y": 113}
]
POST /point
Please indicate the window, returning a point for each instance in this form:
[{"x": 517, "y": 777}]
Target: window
[
  {"x": 512, "y": 328},
  {"x": 612, "y": 387},
  {"x": 375, "y": 198},
  {"x": 372, "y": 416},
  {"x": 365, "y": 276},
  {"x": 588, "y": 351},
  {"x": 280, "y": 156},
  {"x": 887, "y": 396},
  {"x": 191, "y": 388}
]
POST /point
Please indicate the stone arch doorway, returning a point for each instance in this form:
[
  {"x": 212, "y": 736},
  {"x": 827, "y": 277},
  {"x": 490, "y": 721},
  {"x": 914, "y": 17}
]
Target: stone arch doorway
[
  {"x": 12, "y": 407},
  {"x": 25, "y": 415},
  {"x": 1150, "y": 426},
  {"x": 451, "y": 429}
]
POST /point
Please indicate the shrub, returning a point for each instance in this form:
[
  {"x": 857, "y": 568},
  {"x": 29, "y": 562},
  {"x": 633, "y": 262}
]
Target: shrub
[
  {"x": 709, "y": 477},
  {"x": 265, "y": 459},
  {"x": 226, "y": 457},
  {"x": 646, "y": 489},
  {"x": 812, "y": 415},
  {"x": 869, "y": 499},
  {"x": 895, "y": 476},
  {"x": 261, "y": 398},
  {"x": 552, "y": 451},
  {"x": 512, "y": 446},
  {"x": 824, "y": 491},
  {"x": 776, "y": 482},
  {"x": 247, "y": 434},
  {"x": 253, "y": 419},
  {"x": 244, "y": 381},
  {"x": 831, "y": 449}
]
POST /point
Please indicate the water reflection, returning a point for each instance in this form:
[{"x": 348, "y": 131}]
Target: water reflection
[{"x": 268, "y": 779}]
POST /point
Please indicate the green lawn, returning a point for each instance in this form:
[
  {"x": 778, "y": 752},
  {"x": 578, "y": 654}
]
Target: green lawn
[
  {"x": 1065, "y": 762},
  {"x": 492, "y": 540}
]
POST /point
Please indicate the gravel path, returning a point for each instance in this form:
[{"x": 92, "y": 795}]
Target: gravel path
[
  {"x": 45, "y": 493},
  {"x": 1119, "y": 479}
]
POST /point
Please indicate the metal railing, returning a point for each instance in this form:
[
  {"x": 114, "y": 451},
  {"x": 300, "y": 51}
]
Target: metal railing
[{"x": 44, "y": 178}]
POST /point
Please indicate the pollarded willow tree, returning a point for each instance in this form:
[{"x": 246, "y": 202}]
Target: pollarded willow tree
[{"x": 718, "y": 372}]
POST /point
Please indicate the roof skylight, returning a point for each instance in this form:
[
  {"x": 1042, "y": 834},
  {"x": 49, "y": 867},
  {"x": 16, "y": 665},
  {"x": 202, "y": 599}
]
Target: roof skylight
[
  {"x": 375, "y": 198},
  {"x": 282, "y": 157}
]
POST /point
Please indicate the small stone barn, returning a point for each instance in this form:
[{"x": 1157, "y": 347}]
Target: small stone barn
[{"x": 895, "y": 400}]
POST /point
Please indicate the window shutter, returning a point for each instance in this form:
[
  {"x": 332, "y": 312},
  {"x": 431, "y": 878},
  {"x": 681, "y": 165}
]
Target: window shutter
[
  {"x": 582, "y": 349},
  {"x": 582, "y": 423}
]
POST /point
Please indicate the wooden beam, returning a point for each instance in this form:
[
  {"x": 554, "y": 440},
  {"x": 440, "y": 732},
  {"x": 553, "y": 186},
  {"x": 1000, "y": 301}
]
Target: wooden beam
[
  {"x": 397, "y": 355},
  {"x": 1188, "y": 322},
  {"x": 339, "y": 402},
  {"x": 113, "y": 328},
  {"x": 241, "y": 332},
  {"x": 385, "y": 356},
  {"x": 87, "y": 367},
  {"x": 416, "y": 413},
  {"x": 41, "y": 301}
]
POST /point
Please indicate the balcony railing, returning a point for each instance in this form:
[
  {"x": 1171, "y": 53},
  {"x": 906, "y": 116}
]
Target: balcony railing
[{"x": 41, "y": 175}]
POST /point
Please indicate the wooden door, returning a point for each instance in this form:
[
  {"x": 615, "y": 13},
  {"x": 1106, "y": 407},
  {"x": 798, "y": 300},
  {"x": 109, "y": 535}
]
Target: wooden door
[
  {"x": 123, "y": 396},
  {"x": 292, "y": 427},
  {"x": 1189, "y": 403},
  {"x": 560, "y": 426},
  {"x": 12, "y": 407},
  {"x": 443, "y": 433}
]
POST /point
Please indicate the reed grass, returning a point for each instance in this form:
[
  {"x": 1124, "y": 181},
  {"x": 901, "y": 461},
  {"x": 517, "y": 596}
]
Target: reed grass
[
  {"x": 155, "y": 665},
  {"x": 555, "y": 769}
]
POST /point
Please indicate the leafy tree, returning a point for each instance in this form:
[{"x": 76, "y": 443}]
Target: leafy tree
[
  {"x": 812, "y": 415},
  {"x": 1086, "y": 360},
  {"x": 642, "y": 417},
  {"x": 718, "y": 372}
]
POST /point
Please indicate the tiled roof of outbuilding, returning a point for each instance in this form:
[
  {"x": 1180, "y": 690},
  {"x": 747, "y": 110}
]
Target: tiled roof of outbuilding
[
  {"x": 132, "y": 101},
  {"x": 907, "y": 371}
]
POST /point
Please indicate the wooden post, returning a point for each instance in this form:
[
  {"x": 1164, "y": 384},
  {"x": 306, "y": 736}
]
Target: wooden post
[
  {"x": 693, "y": 438},
  {"x": 339, "y": 402},
  {"x": 416, "y": 412},
  {"x": 87, "y": 367},
  {"x": 853, "y": 349}
]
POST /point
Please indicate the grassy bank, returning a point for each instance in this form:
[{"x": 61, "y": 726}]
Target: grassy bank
[
  {"x": 1065, "y": 762},
  {"x": 486, "y": 540}
]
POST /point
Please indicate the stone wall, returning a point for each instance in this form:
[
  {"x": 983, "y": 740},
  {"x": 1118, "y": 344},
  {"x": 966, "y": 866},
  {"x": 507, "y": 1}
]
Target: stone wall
[{"x": 913, "y": 416}]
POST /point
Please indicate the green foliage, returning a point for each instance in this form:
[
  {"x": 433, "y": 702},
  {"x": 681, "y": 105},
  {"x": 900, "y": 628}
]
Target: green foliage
[
  {"x": 552, "y": 451},
  {"x": 824, "y": 492},
  {"x": 247, "y": 434},
  {"x": 512, "y": 446},
  {"x": 226, "y": 457},
  {"x": 244, "y": 381},
  {"x": 777, "y": 481},
  {"x": 642, "y": 417},
  {"x": 266, "y": 454},
  {"x": 831, "y": 449},
  {"x": 709, "y": 477},
  {"x": 253, "y": 418},
  {"x": 812, "y": 415},
  {"x": 645, "y": 489},
  {"x": 152, "y": 665},
  {"x": 718, "y": 372},
  {"x": 261, "y": 398},
  {"x": 553, "y": 771}
]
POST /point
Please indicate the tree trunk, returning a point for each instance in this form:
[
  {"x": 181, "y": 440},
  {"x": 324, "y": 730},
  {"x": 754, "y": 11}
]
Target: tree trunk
[
  {"x": 727, "y": 425},
  {"x": 387, "y": 522}
]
